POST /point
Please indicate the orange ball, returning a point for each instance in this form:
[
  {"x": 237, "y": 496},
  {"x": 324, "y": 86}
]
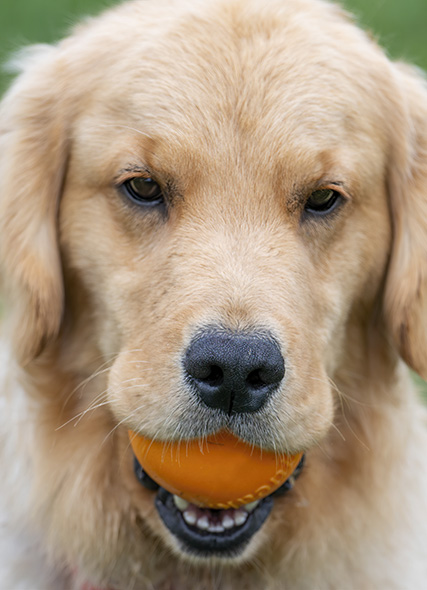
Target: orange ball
[{"x": 220, "y": 472}]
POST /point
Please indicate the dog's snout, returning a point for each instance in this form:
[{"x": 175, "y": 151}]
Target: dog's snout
[{"x": 234, "y": 372}]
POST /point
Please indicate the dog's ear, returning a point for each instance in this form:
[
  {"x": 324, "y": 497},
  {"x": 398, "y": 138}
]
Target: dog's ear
[
  {"x": 406, "y": 287},
  {"x": 32, "y": 164}
]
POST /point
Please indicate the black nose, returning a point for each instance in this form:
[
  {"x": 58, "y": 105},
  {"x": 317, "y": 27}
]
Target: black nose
[{"x": 234, "y": 372}]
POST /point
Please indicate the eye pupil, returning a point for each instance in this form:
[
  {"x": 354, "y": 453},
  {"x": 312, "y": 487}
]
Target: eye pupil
[
  {"x": 143, "y": 190},
  {"x": 322, "y": 201}
]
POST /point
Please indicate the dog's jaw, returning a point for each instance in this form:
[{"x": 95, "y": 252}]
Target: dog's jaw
[{"x": 204, "y": 534}]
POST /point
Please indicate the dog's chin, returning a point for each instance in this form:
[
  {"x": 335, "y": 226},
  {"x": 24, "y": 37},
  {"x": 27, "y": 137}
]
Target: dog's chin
[{"x": 207, "y": 533}]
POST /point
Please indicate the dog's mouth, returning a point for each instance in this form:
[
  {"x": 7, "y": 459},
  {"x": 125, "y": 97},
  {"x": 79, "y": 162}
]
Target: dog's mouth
[{"x": 206, "y": 532}]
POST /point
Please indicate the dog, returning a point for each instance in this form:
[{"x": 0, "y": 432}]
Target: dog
[{"x": 182, "y": 183}]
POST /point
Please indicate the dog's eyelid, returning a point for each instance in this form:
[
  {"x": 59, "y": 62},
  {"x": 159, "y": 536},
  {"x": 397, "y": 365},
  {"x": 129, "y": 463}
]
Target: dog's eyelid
[
  {"x": 337, "y": 187},
  {"x": 131, "y": 172}
]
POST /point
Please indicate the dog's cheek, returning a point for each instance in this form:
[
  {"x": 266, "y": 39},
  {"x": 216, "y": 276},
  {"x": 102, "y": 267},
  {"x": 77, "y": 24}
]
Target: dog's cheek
[
  {"x": 352, "y": 275},
  {"x": 145, "y": 389},
  {"x": 306, "y": 404},
  {"x": 102, "y": 268}
]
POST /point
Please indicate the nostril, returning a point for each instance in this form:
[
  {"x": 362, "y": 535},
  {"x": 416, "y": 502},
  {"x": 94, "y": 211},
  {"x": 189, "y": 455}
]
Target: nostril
[
  {"x": 215, "y": 377},
  {"x": 254, "y": 380}
]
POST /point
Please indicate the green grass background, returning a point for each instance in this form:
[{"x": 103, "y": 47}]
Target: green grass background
[{"x": 399, "y": 25}]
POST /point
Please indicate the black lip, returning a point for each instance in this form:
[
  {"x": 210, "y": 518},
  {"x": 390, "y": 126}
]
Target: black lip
[{"x": 203, "y": 543}]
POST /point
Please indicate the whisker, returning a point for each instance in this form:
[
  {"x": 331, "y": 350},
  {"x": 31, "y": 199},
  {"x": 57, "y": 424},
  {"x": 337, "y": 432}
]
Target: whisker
[
  {"x": 82, "y": 385},
  {"x": 80, "y": 415},
  {"x": 111, "y": 432}
]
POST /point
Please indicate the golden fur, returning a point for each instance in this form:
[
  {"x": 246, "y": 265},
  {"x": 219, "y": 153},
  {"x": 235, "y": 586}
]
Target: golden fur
[{"x": 242, "y": 108}]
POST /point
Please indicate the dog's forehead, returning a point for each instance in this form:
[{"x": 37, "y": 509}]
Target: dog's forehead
[{"x": 221, "y": 78}]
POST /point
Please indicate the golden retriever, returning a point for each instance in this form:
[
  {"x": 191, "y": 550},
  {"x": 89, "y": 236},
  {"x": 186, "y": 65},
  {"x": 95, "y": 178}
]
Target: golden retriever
[{"x": 178, "y": 179}]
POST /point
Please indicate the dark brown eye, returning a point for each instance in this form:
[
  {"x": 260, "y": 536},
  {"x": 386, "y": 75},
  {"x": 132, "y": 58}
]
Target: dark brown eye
[
  {"x": 322, "y": 201},
  {"x": 143, "y": 191}
]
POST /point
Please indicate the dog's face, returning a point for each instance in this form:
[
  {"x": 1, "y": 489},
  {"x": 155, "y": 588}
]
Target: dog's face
[
  {"x": 220, "y": 192},
  {"x": 225, "y": 179}
]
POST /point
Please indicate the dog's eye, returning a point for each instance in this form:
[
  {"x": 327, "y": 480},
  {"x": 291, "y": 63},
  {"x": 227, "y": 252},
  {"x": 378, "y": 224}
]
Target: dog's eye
[
  {"x": 144, "y": 191},
  {"x": 322, "y": 201}
]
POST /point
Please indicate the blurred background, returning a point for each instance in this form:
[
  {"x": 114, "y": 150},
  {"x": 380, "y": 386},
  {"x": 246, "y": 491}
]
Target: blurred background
[{"x": 399, "y": 25}]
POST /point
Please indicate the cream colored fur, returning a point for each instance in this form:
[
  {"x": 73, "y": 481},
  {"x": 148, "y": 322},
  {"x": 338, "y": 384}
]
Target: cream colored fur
[{"x": 241, "y": 108}]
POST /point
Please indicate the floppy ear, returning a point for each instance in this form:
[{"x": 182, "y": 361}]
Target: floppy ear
[
  {"x": 406, "y": 288},
  {"x": 32, "y": 164}
]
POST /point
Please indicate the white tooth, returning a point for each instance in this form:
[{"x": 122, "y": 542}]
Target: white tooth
[
  {"x": 216, "y": 528},
  {"x": 180, "y": 503},
  {"x": 203, "y": 523},
  {"x": 228, "y": 522},
  {"x": 240, "y": 517},
  {"x": 190, "y": 516},
  {"x": 251, "y": 507}
]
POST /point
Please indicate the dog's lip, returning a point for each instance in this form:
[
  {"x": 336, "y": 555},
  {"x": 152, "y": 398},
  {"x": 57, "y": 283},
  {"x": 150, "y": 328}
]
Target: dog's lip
[{"x": 203, "y": 543}]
